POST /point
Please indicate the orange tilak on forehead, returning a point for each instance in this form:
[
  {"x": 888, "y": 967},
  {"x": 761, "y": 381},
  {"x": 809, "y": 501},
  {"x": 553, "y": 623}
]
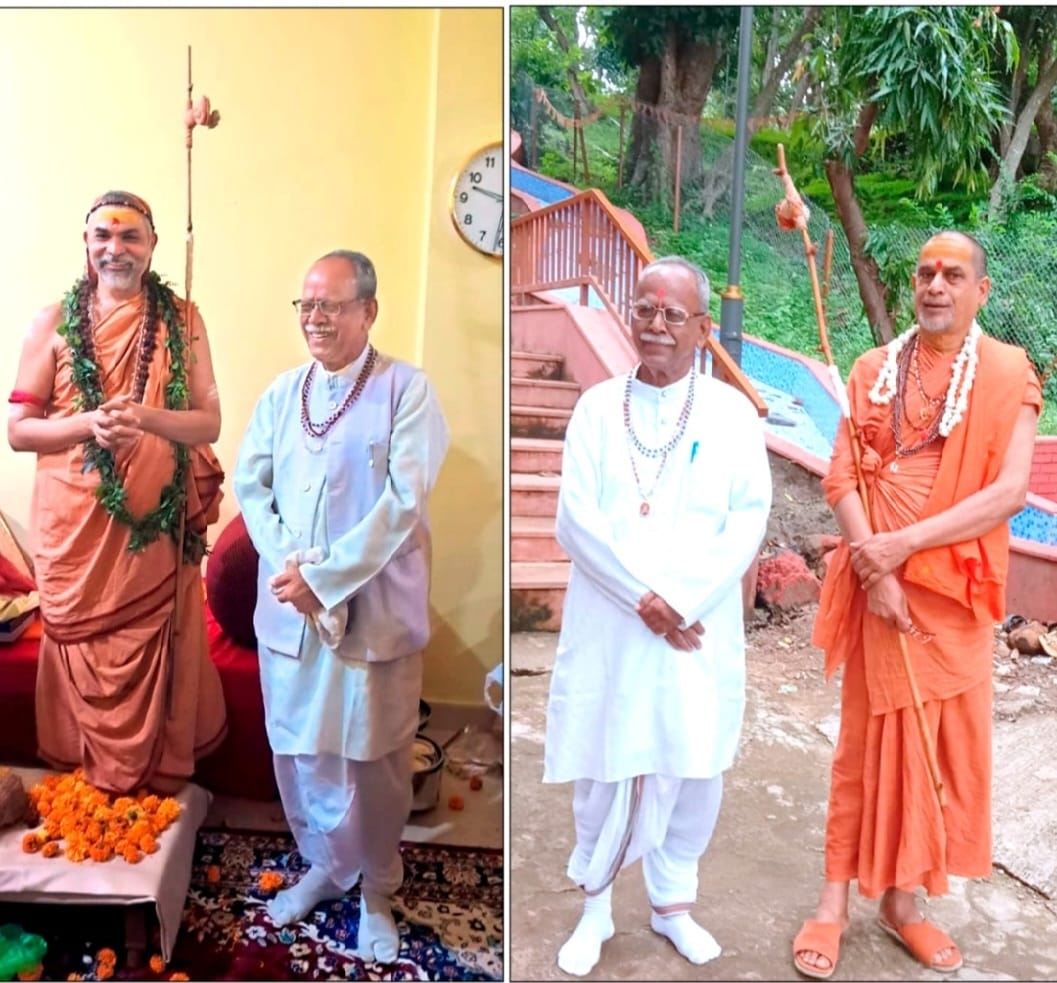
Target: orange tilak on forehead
[{"x": 110, "y": 215}]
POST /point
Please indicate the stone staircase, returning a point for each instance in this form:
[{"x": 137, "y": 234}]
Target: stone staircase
[{"x": 541, "y": 403}]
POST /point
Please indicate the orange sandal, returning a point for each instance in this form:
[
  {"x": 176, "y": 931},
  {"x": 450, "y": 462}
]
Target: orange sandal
[
  {"x": 923, "y": 940},
  {"x": 820, "y": 937}
]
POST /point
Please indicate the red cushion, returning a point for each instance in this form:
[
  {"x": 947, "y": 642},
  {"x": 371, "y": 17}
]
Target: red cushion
[
  {"x": 242, "y": 765},
  {"x": 18, "y": 681},
  {"x": 231, "y": 582}
]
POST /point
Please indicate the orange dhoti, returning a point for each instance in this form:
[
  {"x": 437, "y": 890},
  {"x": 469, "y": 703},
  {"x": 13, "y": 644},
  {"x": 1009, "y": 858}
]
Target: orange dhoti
[
  {"x": 117, "y": 689},
  {"x": 884, "y": 825}
]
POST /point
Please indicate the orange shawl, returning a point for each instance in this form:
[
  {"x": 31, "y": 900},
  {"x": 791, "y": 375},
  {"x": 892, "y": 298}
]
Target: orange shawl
[
  {"x": 962, "y": 584},
  {"x": 110, "y": 694}
]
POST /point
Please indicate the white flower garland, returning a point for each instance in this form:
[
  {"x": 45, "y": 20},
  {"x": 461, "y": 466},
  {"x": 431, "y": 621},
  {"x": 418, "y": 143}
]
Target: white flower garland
[{"x": 963, "y": 371}]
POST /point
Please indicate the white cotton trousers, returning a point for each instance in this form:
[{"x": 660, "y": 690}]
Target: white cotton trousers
[
  {"x": 667, "y": 822},
  {"x": 348, "y": 816}
]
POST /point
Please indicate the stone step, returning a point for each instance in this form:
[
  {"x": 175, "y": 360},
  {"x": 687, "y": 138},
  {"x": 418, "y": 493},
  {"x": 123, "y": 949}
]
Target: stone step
[
  {"x": 532, "y": 540},
  {"x": 536, "y": 595},
  {"x": 529, "y": 455},
  {"x": 552, "y": 393},
  {"x": 540, "y": 422},
  {"x": 534, "y": 494},
  {"x": 535, "y": 365}
]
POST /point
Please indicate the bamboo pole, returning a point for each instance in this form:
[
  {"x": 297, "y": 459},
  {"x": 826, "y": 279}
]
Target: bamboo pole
[
  {"x": 678, "y": 172},
  {"x": 853, "y": 435}
]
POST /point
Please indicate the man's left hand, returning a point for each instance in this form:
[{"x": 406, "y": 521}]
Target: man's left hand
[
  {"x": 877, "y": 556},
  {"x": 659, "y": 615},
  {"x": 290, "y": 588}
]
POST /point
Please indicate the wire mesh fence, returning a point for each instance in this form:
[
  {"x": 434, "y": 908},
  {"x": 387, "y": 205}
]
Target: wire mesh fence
[{"x": 589, "y": 149}]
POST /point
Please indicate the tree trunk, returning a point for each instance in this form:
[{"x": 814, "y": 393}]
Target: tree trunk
[
  {"x": 1047, "y": 79},
  {"x": 769, "y": 91},
  {"x": 677, "y": 84},
  {"x": 872, "y": 291},
  {"x": 575, "y": 87},
  {"x": 1046, "y": 125}
]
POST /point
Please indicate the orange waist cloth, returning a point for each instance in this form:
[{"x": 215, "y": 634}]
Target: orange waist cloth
[
  {"x": 883, "y": 826},
  {"x": 110, "y": 693}
]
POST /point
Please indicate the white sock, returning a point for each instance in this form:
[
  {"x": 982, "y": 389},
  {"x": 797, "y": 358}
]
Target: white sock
[
  {"x": 295, "y": 902},
  {"x": 582, "y": 949},
  {"x": 692, "y": 941},
  {"x": 378, "y": 939}
]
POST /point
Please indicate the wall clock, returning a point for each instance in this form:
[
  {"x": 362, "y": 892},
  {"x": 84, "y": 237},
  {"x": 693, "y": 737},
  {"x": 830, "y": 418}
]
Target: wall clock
[{"x": 477, "y": 200}]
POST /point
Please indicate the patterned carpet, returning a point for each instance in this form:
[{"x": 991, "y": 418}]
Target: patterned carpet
[{"x": 449, "y": 913}]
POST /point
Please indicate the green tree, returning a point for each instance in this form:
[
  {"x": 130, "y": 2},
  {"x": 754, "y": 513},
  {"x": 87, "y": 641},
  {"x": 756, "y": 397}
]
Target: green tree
[
  {"x": 675, "y": 51},
  {"x": 1029, "y": 89},
  {"x": 923, "y": 74}
]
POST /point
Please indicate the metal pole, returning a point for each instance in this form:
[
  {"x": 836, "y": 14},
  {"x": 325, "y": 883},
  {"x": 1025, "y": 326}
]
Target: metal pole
[{"x": 732, "y": 307}]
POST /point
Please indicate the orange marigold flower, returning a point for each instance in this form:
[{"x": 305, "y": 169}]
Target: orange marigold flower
[
  {"x": 74, "y": 976},
  {"x": 269, "y": 880},
  {"x": 151, "y": 803},
  {"x": 33, "y": 973},
  {"x": 32, "y": 842},
  {"x": 77, "y": 852},
  {"x": 132, "y": 854},
  {"x": 213, "y": 874},
  {"x": 104, "y": 971},
  {"x": 148, "y": 844},
  {"x": 49, "y": 850},
  {"x": 179, "y": 976},
  {"x": 106, "y": 956},
  {"x": 157, "y": 964}
]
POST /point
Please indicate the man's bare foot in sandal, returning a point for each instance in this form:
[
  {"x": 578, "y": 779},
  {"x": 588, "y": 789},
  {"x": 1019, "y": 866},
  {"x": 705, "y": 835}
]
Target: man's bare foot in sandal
[
  {"x": 931, "y": 946},
  {"x": 832, "y": 910}
]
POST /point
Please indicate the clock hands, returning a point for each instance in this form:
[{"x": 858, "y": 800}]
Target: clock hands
[
  {"x": 498, "y": 234},
  {"x": 495, "y": 196}
]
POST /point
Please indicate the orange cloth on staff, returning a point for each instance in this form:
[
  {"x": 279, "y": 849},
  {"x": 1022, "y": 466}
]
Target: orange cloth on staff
[
  {"x": 111, "y": 692},
  {"x": 884, "y": 827}
]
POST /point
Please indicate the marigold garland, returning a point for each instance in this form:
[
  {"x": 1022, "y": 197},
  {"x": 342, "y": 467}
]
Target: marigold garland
[{"x": 83, "y": 823}]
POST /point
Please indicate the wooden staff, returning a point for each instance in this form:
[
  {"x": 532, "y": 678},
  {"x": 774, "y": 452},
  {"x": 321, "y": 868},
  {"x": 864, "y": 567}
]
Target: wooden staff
[
  {"x": 792, "y": 214},
  {"x": 194, "y": 115}
]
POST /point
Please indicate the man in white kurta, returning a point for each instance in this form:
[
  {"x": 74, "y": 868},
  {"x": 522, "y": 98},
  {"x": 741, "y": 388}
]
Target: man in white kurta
[
  {"x": 664, "y": 501},
  {"x": 333, "y": 476}
]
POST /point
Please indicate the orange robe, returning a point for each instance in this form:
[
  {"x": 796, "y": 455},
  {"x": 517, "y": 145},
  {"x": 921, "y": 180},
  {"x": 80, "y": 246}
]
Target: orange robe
[
  {"x": 884, "y": 826},
  {"x": 112, "y": 692}
]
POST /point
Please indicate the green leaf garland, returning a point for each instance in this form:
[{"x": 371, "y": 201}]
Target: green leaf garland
[{"x": 165, "y": 517}]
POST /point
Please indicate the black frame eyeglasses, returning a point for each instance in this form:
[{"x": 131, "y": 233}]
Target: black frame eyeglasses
[
  {"x": 328, "y": 308},
  {"x": 675, "y": 316}
]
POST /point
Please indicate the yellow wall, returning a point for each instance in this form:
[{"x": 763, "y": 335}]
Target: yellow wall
[{"x": 339, "y": 128}]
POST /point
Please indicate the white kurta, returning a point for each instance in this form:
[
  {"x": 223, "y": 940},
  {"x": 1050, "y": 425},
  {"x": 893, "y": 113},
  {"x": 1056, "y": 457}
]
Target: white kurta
[
  {"x": 623, "y": 702},
  {"x": 320, "y": 702}
]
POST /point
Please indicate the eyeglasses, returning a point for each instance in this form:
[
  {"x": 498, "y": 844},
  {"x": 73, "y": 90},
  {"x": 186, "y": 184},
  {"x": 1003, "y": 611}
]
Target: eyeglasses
[
  {"x": 674, "y": 316},
  {"x": 328, "y": 308}
]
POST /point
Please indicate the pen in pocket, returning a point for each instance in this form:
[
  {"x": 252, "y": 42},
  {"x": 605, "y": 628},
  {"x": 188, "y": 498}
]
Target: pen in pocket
[{"x": 693, "y": 451}]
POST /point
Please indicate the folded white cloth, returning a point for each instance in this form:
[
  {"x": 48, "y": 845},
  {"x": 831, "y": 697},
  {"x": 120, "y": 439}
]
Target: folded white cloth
[{"x": 329, "y": 625}]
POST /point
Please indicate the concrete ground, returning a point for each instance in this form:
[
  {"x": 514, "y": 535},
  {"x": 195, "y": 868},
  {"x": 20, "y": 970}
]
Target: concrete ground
[{"x": 759, "y": 878}]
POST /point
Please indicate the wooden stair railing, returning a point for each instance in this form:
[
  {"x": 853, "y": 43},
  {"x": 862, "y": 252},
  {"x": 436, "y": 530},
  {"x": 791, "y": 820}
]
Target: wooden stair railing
[{"x": 583, "y": 242}]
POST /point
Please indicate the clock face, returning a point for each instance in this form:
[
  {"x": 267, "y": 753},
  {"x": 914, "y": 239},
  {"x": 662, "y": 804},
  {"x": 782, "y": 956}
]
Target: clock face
[{"x": 477, "y": 201}]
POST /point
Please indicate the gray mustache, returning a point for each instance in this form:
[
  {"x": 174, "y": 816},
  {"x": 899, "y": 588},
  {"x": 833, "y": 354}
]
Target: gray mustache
[{"x": 657, "y": 339}]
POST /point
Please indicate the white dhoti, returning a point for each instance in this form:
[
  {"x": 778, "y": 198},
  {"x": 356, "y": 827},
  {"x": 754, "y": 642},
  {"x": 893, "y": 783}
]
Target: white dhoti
[
  {"x": 665, "y": 822},
  {"x": 347, "y": 816}
]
